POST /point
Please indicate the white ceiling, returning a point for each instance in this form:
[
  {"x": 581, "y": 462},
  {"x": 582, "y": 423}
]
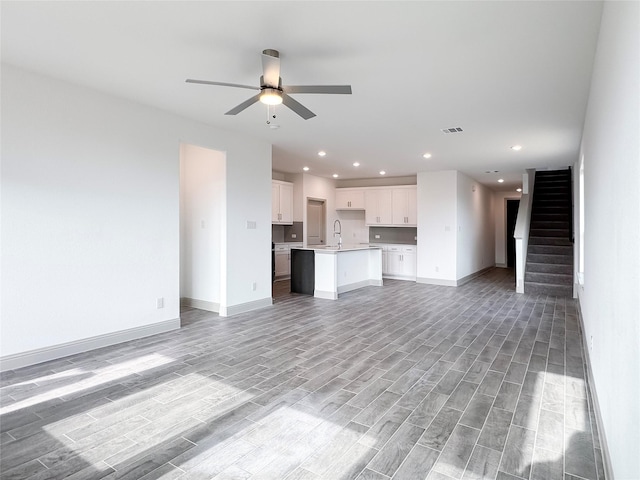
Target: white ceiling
[{"x": 507, "y": 72}]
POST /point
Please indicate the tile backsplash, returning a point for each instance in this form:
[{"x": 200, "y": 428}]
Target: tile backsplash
[
  {"x": 402, "y": 235},
  {"x": 285, "y": 233}
]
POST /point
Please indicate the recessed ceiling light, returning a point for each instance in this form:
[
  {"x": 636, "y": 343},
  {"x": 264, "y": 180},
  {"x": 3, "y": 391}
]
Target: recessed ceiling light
[
  {"x": 335, "y": 175},
  {"x": 356, "y": 164},
  {"x": 427, "y": 155},
  {"x": 500, "y": 180},
  {"x": 518, "y": 189},
  {"x": 516, "y": 147},
  {"x": 382, "y": 172},
  {"x": 322, "y": 153},
  {"x": 306, "y": 169}
]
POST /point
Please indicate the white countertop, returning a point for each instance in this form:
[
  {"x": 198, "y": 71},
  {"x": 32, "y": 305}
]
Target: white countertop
[{"x": 345, "y": 248}]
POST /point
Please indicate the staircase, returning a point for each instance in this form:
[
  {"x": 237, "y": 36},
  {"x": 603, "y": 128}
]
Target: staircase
[{"x": 549, "y": 268}]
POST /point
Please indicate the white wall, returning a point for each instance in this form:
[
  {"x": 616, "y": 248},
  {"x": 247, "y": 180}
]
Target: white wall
[
  {"x": 202, "y": 209},
  {"x": 476, "y": 231},
  {"x": 610, "y": 301},
  {"x": 299, "y": 204},
  {"x": 500, "y": 221},
  {"x": 456, "y": 236},
  {"x": 90, "y": 213},
  {"x": 437, "y": 238}
]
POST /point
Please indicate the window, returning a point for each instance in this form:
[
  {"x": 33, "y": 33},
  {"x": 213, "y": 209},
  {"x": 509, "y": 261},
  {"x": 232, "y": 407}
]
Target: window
[{"x": 581, "y": 223}]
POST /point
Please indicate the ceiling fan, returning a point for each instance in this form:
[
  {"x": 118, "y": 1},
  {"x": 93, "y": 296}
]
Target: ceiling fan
[{"x": 272, "y": 92}]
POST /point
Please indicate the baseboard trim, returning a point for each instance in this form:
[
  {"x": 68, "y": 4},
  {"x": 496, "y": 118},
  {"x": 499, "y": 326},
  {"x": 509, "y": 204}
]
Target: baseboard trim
[
  {"x": 468, "y": 278},
  {"x": 400, "y": 277},
  {"x": 54, "y": 352},
  {"x": 453, "y": 283},
  {"x": 501, "y": 265},
  {"x": 437, "y": 281},
  {"x": 325, "y": 294},
  {"x": 245, "y": 307},
  {"x": 357, "y": 285},
  {"x": 200, "y": 304},
  {"x": 604, "y": 446}
]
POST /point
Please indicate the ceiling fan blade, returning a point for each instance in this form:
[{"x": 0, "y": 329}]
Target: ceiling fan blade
[
  {"x": 335, "y": 89},
  {"x": 223, "y": 84},
  {"x": 243, "y": 105},
  {"x": 297, "y": 107},
  {"x": 271, "y": 68}
]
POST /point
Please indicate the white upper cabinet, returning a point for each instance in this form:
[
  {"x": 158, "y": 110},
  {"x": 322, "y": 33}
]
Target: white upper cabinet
[
  {"x": 405, "y": 206},
  {"x": 349, "y": 199},
  {"x": 378, "y": 207},
  {"x": 384, "y": 206},
  {"x": 281, "y": 202}
]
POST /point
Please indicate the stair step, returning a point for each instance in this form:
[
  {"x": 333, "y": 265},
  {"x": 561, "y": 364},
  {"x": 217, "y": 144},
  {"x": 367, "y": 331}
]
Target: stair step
[
  {"x": 552, "y": 174},
  {"x": 533, "y": 267},
  {"x": 550, "y": 210},
  {"x": 556, "y": 225},
  {"x": 551, "y": 191},
  {"x": 549, "y": 232},
  {"x": 551, "y": 181},
  {"x": 551, "y": 249},
  {"x": 553, "y": 259},
  {"x": 544, "y": 200},
  {"x": 533, "y": 288},
  {"x": 549, "y": 278},
  {"x": 549, "y": 241},
  {"x": 549, "y": 217},
  {"x": 550, "y": 202}
]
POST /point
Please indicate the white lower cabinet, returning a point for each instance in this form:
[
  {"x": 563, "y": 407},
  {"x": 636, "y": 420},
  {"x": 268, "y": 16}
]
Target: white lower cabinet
[
  {"x": 283, "y": 264},
  {"x": 399, "y": 261},
  {"x": 283, "y": 259}
]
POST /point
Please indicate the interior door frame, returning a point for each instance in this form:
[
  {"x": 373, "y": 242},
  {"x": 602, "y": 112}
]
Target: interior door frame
[{"x": 323, "y": 220}]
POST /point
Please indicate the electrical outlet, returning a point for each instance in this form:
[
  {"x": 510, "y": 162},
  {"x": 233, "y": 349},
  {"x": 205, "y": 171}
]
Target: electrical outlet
[
  {"x": 377, "y": 237},
  {"x": 160, "y": 303},
  {"x": 437, "y": 269},
  {"x": 254, "y": 286},
  {"x": 293, "y": 235},
  {"x": 591, "y": 343},
  {"x": 251, "y": 225}
]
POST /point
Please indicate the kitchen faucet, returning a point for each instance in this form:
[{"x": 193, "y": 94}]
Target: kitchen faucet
[{"x": 338, "y": 232}]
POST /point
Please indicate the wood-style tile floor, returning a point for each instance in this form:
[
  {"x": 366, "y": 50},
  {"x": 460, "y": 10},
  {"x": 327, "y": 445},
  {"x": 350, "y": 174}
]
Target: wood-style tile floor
[{"x": 404, "y": 381}]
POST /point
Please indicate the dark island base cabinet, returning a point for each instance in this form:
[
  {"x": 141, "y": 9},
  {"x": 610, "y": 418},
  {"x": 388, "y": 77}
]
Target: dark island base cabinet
[{"x": 302, "y": 271}]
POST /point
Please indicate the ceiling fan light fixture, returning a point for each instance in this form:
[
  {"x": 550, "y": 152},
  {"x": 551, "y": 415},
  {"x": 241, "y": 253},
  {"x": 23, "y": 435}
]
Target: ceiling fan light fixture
[{"x": 271, "y": 96}]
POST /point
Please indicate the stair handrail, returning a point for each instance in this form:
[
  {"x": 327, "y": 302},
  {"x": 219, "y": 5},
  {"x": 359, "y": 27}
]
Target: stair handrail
[{"x": 521, "y": 230}]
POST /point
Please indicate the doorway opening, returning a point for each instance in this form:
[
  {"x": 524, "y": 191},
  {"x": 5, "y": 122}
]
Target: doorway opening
[
  {"x": 202, "y": 226},
  {"x": 316, "y": 221},
  {"x": 512, "y": 216}
]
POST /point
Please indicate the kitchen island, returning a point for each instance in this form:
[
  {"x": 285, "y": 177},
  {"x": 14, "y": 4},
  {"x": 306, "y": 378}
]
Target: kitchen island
[{"x": 338, "y": 270}]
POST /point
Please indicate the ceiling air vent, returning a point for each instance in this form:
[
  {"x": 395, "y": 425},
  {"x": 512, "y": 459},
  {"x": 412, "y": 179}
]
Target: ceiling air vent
[{"x": 451, "y": 130}]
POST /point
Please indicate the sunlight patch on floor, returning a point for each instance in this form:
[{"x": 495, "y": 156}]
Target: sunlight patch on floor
[{"x": 93, "y": 379}]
